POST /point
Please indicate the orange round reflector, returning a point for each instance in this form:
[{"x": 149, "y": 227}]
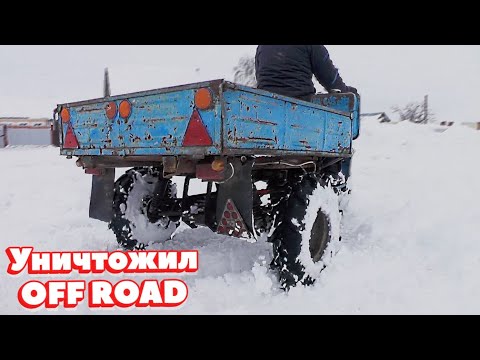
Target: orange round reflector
[
  {"x": 125, "y": 109},
  {"x": 203, "y": 98},
  {"x": 111, "y": 110},
  {"x": 65, "y": 115},
  {"x": 218, "y": 165}
]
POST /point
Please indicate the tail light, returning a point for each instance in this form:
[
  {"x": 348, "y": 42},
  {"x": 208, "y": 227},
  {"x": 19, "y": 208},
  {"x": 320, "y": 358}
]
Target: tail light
[
  {"x": 125, "y": 109},
  {"x": 65, "y": 115},
  {"x": 203, "y": 99},
  {"x": 218, "y": 165},
  {"x": 214, "y": 171}
]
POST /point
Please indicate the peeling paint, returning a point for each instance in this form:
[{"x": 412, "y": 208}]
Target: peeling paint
[{"x": 248, "y": 119}]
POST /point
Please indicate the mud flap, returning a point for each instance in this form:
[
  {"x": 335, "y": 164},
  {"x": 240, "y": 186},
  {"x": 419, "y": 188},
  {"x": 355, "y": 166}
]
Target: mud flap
[
  {"x": 239, "y": 190},
  {"x": 101, "y": 197},
  {"x": 346, "y": 166}
]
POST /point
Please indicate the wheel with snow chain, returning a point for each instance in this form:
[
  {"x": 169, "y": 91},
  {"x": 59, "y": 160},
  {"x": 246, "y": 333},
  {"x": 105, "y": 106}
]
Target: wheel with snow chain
[
  {"x": 132, "y": 192},
  {"x": 310, "y": 224}
]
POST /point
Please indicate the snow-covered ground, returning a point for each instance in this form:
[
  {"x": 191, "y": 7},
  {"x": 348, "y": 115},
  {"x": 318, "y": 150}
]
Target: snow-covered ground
[{"x": 411, "y": 239}]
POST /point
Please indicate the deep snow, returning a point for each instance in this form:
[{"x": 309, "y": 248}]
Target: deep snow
[{"x": 410, "y": 233}]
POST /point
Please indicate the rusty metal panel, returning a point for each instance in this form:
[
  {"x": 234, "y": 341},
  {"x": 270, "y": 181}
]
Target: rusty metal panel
[
  {"x": 258, "y": 120},
  {"x": 241, "y": 120},
  {"x": 343, "y": 102},
  {"x": 156, "y": 125},
  {"x": 313, "y": 129},
  {"x": 92, "y": 127},
  {"x": 253, "y": 121}
]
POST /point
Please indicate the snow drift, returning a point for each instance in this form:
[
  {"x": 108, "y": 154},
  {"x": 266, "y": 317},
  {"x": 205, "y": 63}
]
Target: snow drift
[{"x": 410, "y": 233}]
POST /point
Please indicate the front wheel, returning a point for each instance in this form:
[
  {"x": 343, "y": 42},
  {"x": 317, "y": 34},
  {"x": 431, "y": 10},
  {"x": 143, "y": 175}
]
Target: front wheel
[
  {"x": 310, "y": 222},
  {"x": 130, "y": 222}
]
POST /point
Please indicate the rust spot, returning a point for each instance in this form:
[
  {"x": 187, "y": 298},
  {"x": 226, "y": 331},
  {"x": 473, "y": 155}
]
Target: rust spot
[
  {"x": 305, "y": 144},
  {"x": 262, "y": 122},
  {"x": 87, "y": 110},
  {"x": 166, "y": 138},
  {"x": 154, "y": 120},
  {"x": 253, "y": 138},
  {"x": 120, "y": 137}
]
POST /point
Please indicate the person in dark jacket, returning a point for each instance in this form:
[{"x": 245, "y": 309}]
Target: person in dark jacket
[{"x": 289, "y": 70}]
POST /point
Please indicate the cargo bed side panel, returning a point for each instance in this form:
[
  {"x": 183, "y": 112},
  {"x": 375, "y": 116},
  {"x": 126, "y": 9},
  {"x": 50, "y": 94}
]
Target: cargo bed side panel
[{"x": 255, "y": 122}]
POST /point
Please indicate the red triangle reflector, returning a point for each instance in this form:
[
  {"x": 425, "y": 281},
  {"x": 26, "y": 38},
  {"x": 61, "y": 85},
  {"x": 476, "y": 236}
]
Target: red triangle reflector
[
  {"x": 196, "y": 134},
  {"x": 71, "y": 141},
  {"x": 232, "y": 223}
]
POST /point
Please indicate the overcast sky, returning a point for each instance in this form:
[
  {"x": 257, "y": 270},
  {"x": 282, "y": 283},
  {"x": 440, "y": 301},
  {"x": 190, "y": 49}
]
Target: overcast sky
[{"x": 35, "y": 78}]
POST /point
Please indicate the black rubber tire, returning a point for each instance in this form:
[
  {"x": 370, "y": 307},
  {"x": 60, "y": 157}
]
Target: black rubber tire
[
  {"x": 287, "y": 238},
  {"x": 119, "y": 224}
]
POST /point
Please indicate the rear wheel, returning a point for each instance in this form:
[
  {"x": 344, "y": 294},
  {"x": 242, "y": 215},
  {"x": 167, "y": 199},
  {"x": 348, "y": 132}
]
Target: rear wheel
[
  {"x": 310, "y": 222},
  {"x": 132, "y": 193}
]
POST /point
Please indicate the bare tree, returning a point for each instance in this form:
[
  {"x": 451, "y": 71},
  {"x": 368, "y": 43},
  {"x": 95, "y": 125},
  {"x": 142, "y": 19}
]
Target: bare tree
[
  {"x": 244, "y": 72},
  {"x": 418, "y": 113}
]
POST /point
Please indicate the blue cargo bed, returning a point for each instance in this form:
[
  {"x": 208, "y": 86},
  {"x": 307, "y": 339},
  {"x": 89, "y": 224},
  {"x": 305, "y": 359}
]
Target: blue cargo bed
[{"x": 209, "y": 118}]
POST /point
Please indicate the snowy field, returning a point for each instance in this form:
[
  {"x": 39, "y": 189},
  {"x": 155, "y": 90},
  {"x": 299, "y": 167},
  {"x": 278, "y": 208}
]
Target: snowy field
[{"x": 411, "y": 239}]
